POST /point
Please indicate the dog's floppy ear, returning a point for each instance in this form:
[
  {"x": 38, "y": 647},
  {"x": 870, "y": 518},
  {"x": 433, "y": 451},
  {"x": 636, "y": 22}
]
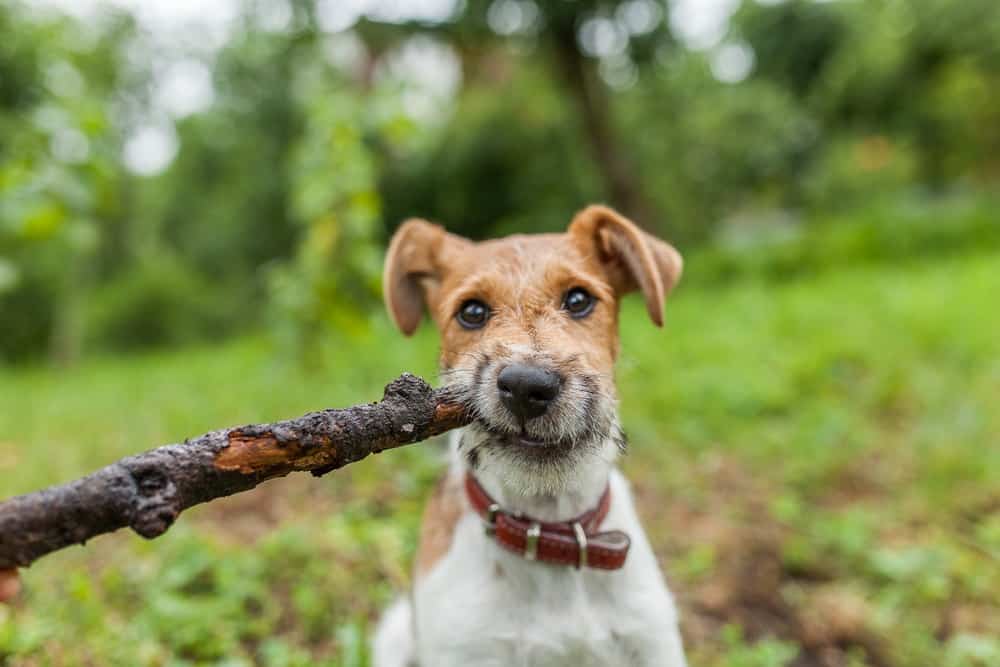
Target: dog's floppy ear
[
  {"x": 633, "y": 258},
  {"x": 413, "y": 270}
]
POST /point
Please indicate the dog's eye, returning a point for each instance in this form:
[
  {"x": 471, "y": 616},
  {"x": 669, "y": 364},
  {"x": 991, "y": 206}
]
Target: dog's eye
[
  {"x": 578, "y": 302},
  {"x": 473, "y": 314}
]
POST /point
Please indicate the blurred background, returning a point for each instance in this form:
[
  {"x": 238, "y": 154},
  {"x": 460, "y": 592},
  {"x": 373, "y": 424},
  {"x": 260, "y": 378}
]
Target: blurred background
[{"x": 194, "y": 203}]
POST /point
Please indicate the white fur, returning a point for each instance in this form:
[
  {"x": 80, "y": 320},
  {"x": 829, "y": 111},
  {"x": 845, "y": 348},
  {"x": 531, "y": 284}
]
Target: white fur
[
  {"x": 483, "y": 605},
  {"x": 394, "y": 644}
]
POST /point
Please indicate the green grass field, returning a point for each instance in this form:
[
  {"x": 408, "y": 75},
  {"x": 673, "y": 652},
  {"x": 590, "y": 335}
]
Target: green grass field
[{"x": 817, "y": 462}]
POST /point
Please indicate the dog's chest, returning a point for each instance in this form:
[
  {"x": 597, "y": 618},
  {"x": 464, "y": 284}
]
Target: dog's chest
[{"x": 483, "y": 605}]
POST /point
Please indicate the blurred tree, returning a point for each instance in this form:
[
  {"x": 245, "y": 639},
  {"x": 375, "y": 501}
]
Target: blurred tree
[
  {"x": 228, "y": 210},
  {"x": 793, "y": 41},
  {"x": 733, "y": 148},
  {"x": 333, "y": 276},
  {"x": 908, "y": 74},
  {"x": 497, "y": 166},
  {"x": 62, "y": 187},
  {"x": 570, "y": 38},
  {"x": 318, "y": 131},
  {"x": 567, "y": 29}
]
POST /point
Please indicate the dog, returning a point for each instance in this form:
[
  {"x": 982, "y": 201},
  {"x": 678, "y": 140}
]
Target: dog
[{"x": 531, "y": 551}]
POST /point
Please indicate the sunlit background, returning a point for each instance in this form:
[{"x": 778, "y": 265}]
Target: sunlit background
[{"x": 195, "y": 198}]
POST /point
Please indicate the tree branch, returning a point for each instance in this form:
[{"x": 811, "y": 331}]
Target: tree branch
[{"x": 148, "y": 491}]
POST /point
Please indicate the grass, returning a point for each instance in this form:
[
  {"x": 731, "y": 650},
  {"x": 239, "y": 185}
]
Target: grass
[{"x": 817, "y": 462}]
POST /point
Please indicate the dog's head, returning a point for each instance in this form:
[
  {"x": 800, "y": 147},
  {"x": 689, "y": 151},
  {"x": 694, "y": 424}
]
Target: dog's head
[{"x": 529, "y": 333}]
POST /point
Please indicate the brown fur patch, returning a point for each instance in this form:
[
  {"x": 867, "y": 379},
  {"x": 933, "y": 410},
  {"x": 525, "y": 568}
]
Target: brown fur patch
[{"x": 438, "y": 526}]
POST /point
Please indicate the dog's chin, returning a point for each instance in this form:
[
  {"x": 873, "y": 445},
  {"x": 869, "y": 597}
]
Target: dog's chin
[{"x": 533, "y": 465}]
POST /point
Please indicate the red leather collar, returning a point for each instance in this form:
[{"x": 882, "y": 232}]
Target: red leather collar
[{"x": 575, "y": 542}]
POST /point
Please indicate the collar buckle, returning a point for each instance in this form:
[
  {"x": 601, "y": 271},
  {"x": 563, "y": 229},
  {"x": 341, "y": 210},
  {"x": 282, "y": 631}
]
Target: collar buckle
[
  {"x": 490, "y": 522},
  {"x": 552, "y": 542}
]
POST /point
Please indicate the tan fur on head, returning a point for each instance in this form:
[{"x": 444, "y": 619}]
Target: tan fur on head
[{"x": 422, "y": 256}]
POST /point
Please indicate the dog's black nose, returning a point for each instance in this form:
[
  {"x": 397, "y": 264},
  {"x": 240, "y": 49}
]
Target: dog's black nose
[{"x": 527, "y": 391}]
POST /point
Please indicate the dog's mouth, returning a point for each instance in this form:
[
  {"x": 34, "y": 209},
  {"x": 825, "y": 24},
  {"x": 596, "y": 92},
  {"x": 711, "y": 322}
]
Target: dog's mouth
[
  {"x": 528, "y": 441},
  {"x": 524, "y": 438},
  {"x": 579, "y": 419}
]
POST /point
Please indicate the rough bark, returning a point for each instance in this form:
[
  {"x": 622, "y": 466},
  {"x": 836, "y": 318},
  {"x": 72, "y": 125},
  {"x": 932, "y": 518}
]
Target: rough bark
[{"x": 148, "y": 491}]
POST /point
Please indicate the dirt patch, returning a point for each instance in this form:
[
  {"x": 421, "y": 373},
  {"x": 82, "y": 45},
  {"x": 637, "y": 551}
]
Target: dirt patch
[
  {"x": 748, "y": 583},
  {"x": 246, "y": 517},
  {"x": 974, "y": 618},
  {"x": 862, "y": 479}
]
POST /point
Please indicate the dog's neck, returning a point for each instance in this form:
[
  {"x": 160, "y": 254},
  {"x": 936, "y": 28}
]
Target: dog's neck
[{"x": 569, "y": 497}]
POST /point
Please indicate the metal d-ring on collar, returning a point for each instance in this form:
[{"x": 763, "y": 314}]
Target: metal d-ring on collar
[
  {"x": 490, "y": 523},
  {"x": 581, "y": 543},
  {"x": 531, "y": 540}
]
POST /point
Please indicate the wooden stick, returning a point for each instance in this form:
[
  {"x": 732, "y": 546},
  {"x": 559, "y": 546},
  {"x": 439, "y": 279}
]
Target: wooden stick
[{"x": 148, "y": 491}]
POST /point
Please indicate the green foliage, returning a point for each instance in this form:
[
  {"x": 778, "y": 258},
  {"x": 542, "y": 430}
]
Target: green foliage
[
  {"x": 872, "y": 386},
  {"x": 765, "y": 653},
  {"x": 316, "y": 144},
  {"x": 480, "y": 174},
  {"x": 719, "y": 149},
  {"x": 60, "y": 184},
  {"x": 795, "y": 41},
  {"x": 333, "y": 278},
  {"x": 894, "y": 230},
  {"x": 161, "y": 303},
  {"x": 910, "y": 74},
  {"x": 224, "y": 203}
]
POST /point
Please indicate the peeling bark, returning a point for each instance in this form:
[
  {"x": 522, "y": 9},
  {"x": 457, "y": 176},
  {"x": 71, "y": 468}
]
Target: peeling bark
[{"x": 148, "y": 491}]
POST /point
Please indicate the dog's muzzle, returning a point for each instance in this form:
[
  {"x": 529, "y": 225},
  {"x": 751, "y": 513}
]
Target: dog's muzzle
[{"x": 527, "y": 391}]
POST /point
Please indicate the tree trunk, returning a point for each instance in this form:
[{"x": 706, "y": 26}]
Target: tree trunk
[{"x": 620, "y": 180}]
